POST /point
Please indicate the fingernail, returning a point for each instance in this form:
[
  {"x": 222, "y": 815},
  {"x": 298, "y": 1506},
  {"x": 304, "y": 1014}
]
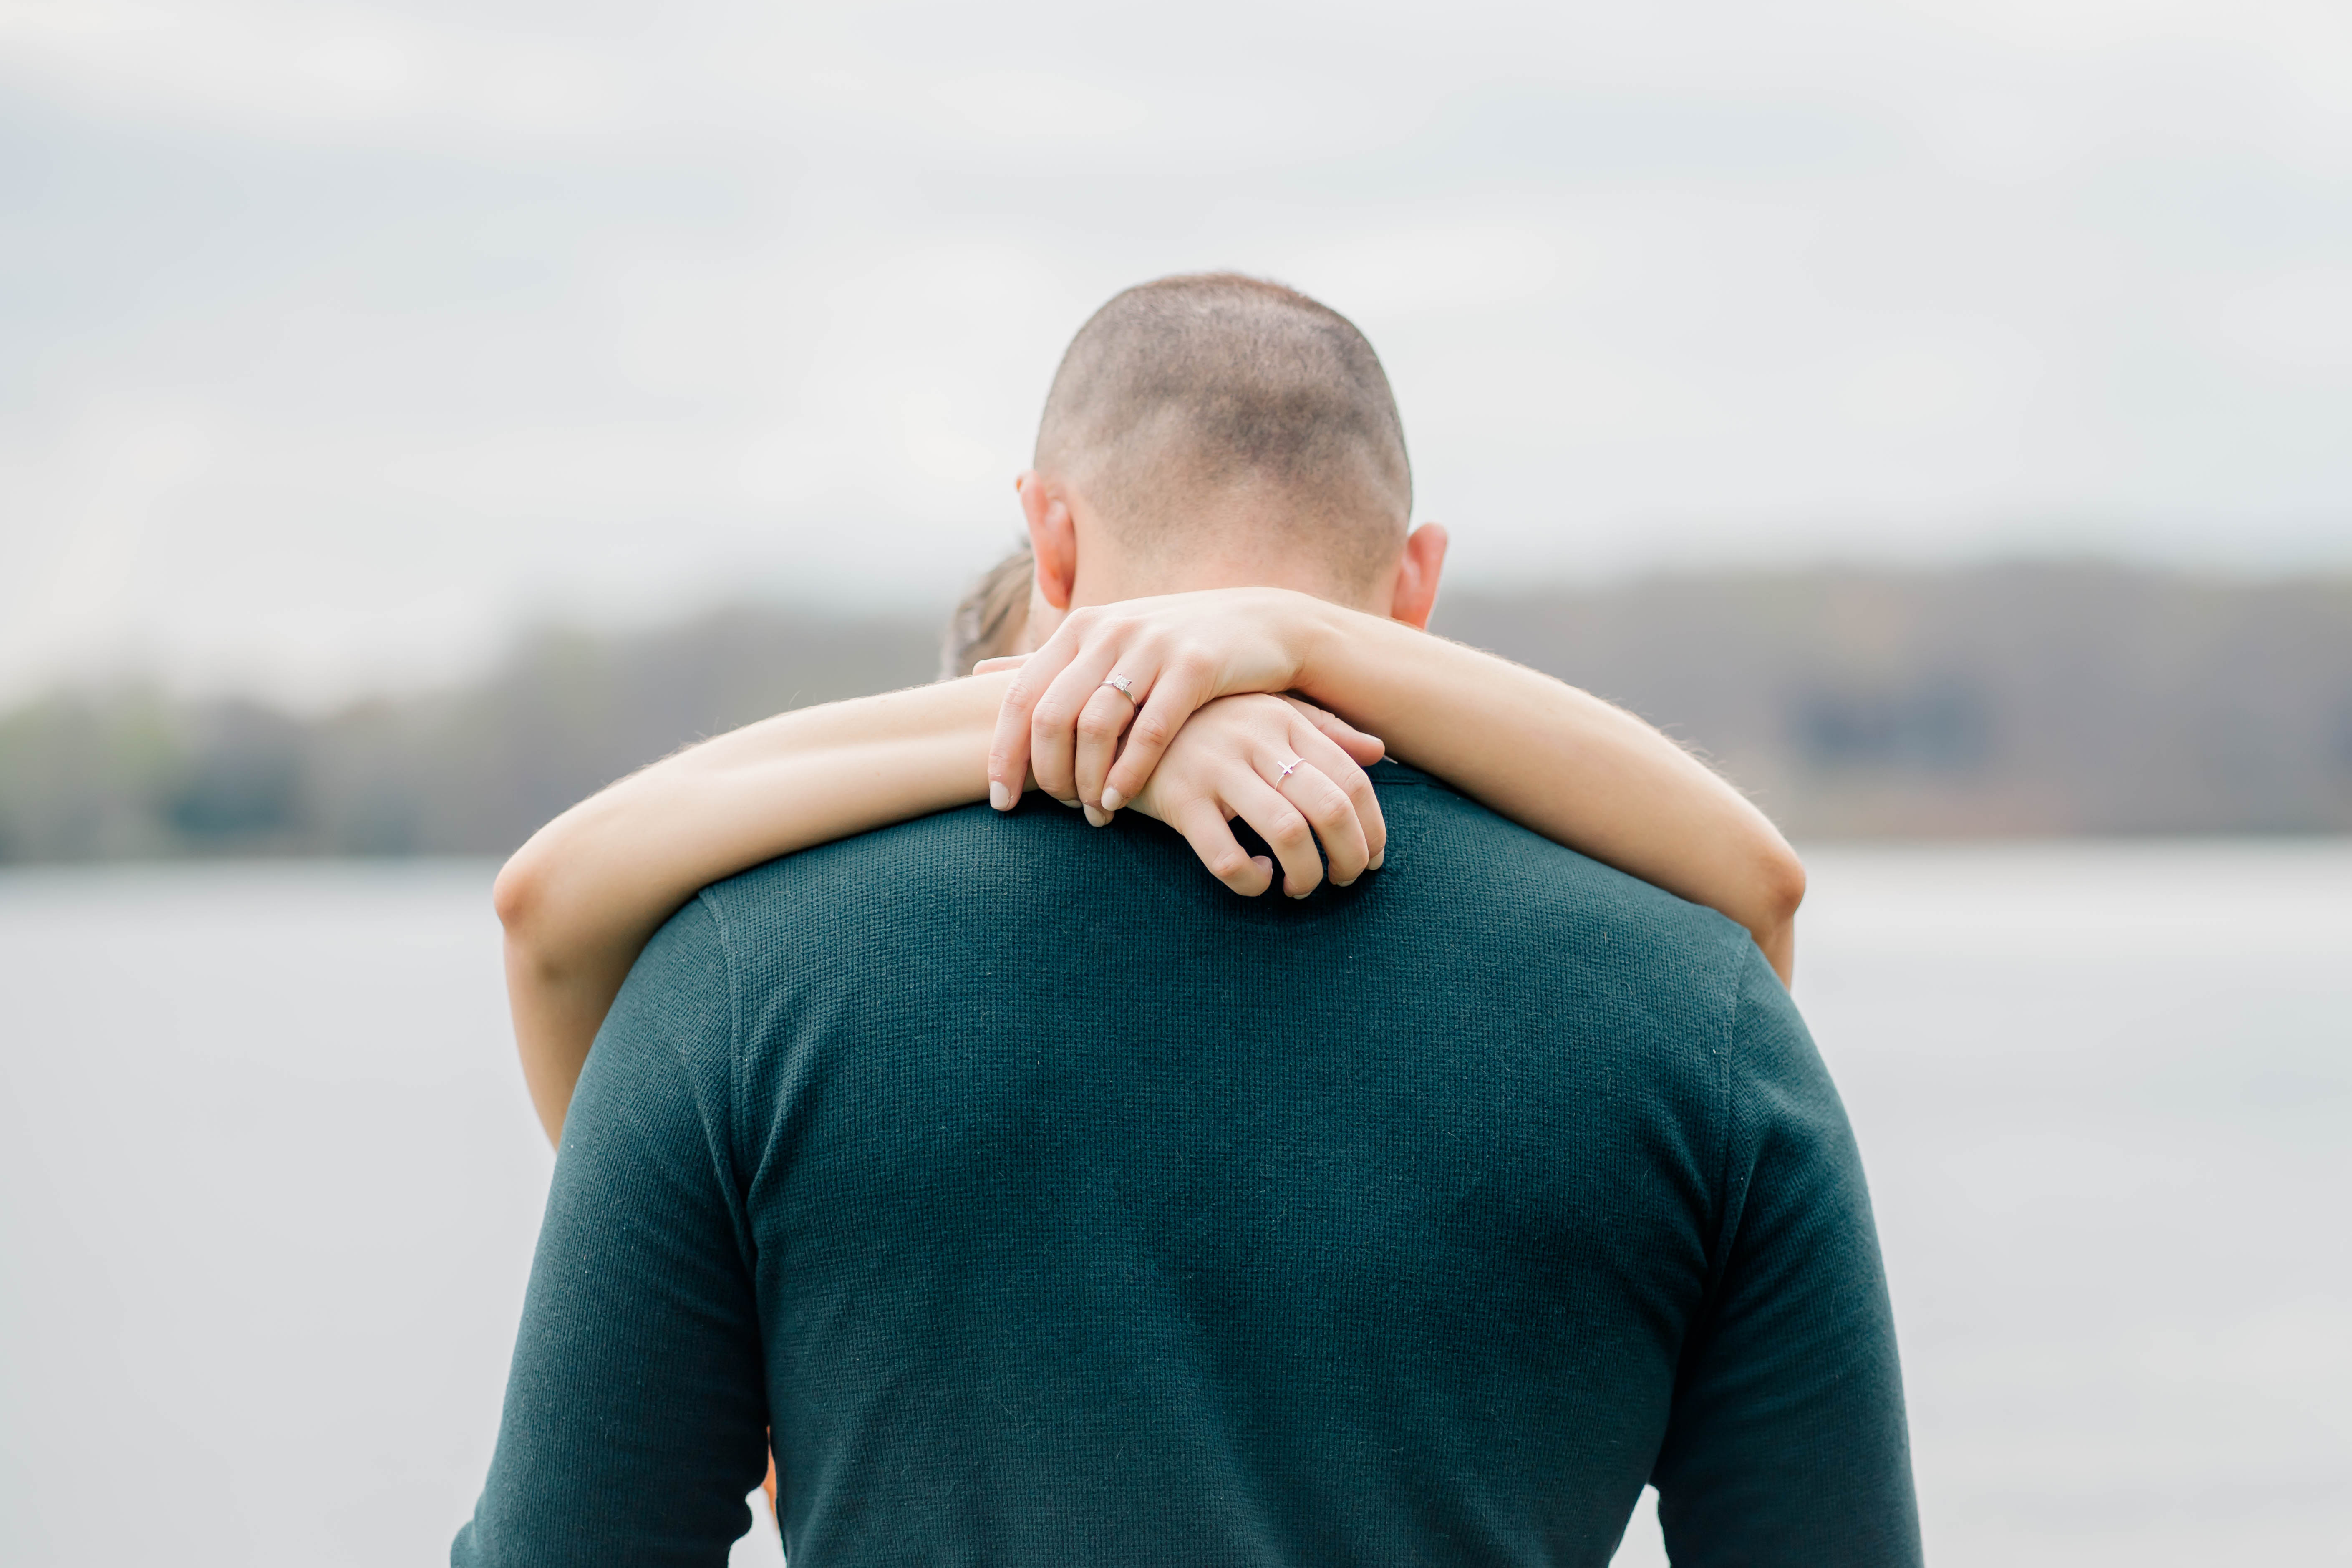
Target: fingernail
[
  {"x": 1112, "y": 799},
  {"x": 1287, "y": 893},
  {"x": 1375, "y": 863},
  {"x": 999, "y": 796},
  {"x": 1349, "y": 883},
  {"x": 1096, "y": 816}
]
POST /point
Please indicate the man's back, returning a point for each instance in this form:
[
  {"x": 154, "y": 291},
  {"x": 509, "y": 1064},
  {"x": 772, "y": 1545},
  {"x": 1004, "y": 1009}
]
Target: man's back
[{"x": 1052, "y": 1204}]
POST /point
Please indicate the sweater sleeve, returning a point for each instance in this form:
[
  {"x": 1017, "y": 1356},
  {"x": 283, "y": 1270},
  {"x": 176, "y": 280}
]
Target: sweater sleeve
[
  {"x": 635, "y": 1411},
  {"x": 1786, "y": 1443}
]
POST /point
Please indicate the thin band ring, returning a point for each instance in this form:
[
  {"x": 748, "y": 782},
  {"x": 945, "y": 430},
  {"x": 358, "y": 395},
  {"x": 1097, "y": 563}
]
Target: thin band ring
[
  {"x": 1285, "y": 771},
  {"x": 1125, "y": 688}
]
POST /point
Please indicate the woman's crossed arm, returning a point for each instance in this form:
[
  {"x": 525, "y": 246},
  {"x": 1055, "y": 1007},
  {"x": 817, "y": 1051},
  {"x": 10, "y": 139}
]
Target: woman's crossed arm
[
  {"x": 581, "y": 899},
  {"x": 1561, "y": 761}
]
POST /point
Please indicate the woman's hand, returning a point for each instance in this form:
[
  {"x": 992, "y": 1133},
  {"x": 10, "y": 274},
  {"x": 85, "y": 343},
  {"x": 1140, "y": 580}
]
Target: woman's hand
[
  {"x": 1561, "y": 761},
  {"x": 1062, "y": 721},
  {"x": 1290, "y": 771}
]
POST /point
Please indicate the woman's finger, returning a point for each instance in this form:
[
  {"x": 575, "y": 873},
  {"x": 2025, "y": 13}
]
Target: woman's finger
[
  {"x": 1204, "y": 827},
  {"x": 1343, "y": 771},
  {"x": 1001, "y": 662},
  {"x": 1008, "y": 749},
  {"x": 1280, "y": 824},
  {"x": 1328, "y": 811},
  {"x": 1054, "y": 722},
  {"x": 1175, "y": 692},
  {"x": 1106, "y": 714},
  {"x": 1360, "y": 747}
]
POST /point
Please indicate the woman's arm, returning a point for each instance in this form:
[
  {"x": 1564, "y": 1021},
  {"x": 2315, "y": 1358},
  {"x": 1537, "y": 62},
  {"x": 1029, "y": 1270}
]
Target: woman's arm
[
  {"x": 1559, "y": 761},
  {"x": 579, "y": 900},
  {"x": 582, "y": 898},
  {"x": 1552, "y": 758}
]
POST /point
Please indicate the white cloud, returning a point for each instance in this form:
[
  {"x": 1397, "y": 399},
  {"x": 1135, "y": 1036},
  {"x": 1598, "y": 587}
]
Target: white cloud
[
  {"x": 294, "y": 63},
  {"x": 1447, "y": 266},
  {"x": 478, "y": 311},
  {"x": 2301, "y": 320},
  {"x": 1025, "y": 104}
]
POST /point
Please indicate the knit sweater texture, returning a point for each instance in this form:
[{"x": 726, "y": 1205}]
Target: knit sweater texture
[{"x": 1047, "y": 1203}]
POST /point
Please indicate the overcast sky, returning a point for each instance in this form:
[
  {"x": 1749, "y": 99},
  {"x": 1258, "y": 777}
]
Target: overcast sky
[{"x": 337, "y": 339}]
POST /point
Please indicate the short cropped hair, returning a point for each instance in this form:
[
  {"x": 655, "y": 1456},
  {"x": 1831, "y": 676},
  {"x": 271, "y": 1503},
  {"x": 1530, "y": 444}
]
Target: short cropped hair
[{"x": 1195, "y": 386}]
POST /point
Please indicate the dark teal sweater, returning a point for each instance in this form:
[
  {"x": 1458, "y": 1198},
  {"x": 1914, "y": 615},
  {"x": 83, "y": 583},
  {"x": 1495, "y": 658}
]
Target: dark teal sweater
[{"x": 1053, "y": 1205}]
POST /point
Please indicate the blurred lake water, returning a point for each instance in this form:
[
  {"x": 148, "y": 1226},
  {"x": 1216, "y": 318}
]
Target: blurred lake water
[{"x": 268, "y": 1183}]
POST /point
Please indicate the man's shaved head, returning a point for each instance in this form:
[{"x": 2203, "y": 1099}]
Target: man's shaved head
[{"x": 1183, "y": 397}]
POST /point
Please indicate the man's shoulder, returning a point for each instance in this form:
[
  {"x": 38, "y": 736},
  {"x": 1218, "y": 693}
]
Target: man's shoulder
[
  {"x": 904, "y": 869},
  {"x": 1510, "y": 884},
  {"x": 1462, "y": 888}
]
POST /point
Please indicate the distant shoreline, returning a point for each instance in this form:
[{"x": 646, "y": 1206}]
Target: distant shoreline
[{"x": 2010, "y": 702}]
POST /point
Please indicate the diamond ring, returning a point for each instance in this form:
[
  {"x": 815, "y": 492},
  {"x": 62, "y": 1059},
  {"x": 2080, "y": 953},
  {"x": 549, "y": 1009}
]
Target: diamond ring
[{"x": 1123, "y": 686}]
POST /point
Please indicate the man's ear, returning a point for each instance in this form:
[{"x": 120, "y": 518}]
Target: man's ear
[
  {"x": 1417, "y": 580},
  {"x": 1052, "y": 536}
]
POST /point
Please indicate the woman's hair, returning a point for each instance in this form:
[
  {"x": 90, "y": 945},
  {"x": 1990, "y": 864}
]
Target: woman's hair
[{"x": 989, "y": 621}]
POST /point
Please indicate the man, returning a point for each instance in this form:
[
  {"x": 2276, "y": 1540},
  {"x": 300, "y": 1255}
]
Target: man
[{"x": 1046, "y": 1203}]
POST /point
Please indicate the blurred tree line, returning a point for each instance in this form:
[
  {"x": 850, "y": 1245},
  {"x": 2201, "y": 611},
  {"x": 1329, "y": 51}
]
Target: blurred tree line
[
  {"x": 128, "y": 774},
  {"x": 2018, "y": 699}
]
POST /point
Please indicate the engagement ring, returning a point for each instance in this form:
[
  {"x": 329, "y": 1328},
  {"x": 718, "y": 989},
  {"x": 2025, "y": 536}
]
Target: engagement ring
[{"x": 1123, "y": 686}]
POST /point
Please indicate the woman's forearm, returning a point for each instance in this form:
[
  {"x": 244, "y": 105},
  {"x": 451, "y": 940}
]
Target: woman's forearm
[
  {"x": 1562, "y": 763},
  {"x": 579, "y": 900}
]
